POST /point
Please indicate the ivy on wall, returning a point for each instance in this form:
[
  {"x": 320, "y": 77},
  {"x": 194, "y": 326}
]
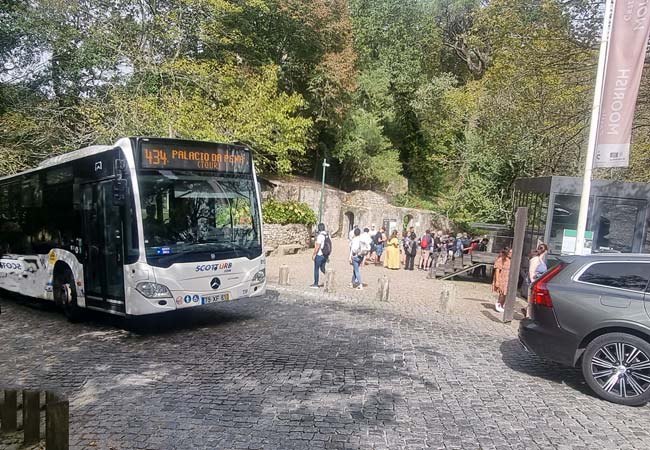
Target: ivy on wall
[{"x": 288, "y": 212}]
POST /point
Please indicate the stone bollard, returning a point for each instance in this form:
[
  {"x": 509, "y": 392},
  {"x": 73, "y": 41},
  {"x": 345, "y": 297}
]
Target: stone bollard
[
  {"x": 330, "y": 285},
  {"x": 447, "y": 298},
  {"x": 432, "y": 268},
  {"x": 284, "y": 275},
  {"x": 383, "y": 290}
]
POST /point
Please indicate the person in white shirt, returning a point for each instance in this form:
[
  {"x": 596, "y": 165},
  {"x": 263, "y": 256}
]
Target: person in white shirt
[
  {"x": 367, "y": 244},
  {"x": 351, "y": 233},
  {"x": 356, "y": 259},
  {"x": 318, "y": 257}
]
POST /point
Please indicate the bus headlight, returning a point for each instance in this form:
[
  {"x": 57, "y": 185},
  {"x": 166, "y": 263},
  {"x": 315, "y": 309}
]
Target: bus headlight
[
  {"x": 153, "y": 290},
  {"x": 259, "y": 276}
]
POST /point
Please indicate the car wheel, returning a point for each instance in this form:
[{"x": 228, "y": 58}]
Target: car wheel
[
  {"x": 66, "y": 295},
  {"x": 617, "y": 367}
]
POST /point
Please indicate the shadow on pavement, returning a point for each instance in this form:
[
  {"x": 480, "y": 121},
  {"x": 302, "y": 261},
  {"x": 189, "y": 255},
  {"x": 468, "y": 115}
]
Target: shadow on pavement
[
  {"x": 519, "y": 360},
  {"x": 491, "y": 316},
  {"x": 155, "y": 324},
  {"x": 177, "y": 321}
]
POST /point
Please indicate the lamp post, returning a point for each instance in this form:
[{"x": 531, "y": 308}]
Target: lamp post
[{"x": 322, "y": 192}]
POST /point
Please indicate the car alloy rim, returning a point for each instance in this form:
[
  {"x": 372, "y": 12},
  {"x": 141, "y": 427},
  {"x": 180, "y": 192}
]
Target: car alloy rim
[{"x": 621, "y": 369}]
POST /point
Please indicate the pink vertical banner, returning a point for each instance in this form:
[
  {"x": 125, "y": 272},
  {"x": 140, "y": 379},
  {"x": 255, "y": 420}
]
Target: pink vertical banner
[{"x": 625, "y": 58}]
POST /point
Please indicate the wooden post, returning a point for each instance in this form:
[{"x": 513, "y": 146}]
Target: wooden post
[
  {"x": 521, "y": 219},
  {"x": 9, "y": 411},
  {"x": 330, "y": 285},
  {"x": 57, "y": 423},
  {"x": 31, "y": 416},
  {"x": 284, "y": 275},
  {"x": 383, "y": 289}
]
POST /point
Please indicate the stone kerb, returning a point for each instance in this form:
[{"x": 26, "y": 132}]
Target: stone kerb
[{"x": 276, "y": 235}]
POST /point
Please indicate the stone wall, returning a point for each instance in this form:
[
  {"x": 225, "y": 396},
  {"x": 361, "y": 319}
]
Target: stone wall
[
  {"x": 308, "y": 191},
  {"x": 366, "y": 208},
  {"x": 341, "y": 209},
  {"x": 275, "y": 235}
]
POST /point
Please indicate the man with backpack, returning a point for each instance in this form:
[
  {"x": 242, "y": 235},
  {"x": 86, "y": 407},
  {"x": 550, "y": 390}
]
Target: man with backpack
[
  {"x": 358, "y": 251},
  {"x": 366, "y": 245},
  {"x": 425, "y": 244},
  {"x": 322, "y": 251}
]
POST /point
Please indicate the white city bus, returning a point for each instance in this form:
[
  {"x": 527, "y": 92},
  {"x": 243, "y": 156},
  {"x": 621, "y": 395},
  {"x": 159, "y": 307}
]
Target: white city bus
[{"x": 146, "y": 225}]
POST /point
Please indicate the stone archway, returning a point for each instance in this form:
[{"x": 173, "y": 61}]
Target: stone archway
[
  {"x": 348, "y": 222},
  {"x": 407, "y": 222}
]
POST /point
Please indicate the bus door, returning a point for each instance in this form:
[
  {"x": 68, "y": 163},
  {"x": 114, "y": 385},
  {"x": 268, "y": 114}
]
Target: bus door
[{"x": 103, "y": 251}]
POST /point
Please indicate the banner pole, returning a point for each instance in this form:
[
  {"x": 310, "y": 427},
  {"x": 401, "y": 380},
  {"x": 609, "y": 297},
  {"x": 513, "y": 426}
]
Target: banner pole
[{"x": 593, "y": 131}]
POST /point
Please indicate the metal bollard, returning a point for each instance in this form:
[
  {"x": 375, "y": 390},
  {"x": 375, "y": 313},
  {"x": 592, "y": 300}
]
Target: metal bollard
[
  {"x": 383, "y": 289},
  {"x": 330, "y": 285},
  {"x": 284, "y": 275}
]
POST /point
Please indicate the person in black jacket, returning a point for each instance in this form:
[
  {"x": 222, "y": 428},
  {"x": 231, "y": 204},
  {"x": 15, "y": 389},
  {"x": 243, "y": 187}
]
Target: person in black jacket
[{"x": 411, "y": 250}]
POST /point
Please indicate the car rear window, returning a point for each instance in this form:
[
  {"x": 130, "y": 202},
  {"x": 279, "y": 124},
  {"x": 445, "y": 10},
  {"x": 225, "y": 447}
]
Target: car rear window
[{"x": 624, "y": 275}]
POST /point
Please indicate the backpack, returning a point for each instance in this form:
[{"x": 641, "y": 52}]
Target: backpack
[
  {"x": 424, "y": 243},
  {"x": 377, "y": 237},
  {"x": 327, "y": 246},
  {"x": 364, "y": 248}
]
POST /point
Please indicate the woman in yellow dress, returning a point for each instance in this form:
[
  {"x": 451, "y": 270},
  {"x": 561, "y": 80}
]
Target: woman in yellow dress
[{"x": 392, "y": 252}]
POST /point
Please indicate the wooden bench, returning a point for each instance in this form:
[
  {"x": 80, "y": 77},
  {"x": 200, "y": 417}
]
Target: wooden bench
[{"x": 289, "y": 249}]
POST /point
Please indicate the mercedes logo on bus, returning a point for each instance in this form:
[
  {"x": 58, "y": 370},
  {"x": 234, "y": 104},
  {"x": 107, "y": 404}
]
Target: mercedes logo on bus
[{"x": 215, "y": 283}]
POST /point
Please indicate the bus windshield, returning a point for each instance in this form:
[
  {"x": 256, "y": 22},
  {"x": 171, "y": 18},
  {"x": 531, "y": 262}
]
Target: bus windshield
[{"x": 195, "y": 216}]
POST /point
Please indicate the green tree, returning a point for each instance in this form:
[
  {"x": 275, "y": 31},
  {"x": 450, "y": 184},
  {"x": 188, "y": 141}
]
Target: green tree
[{"x": 368, "y": 159}]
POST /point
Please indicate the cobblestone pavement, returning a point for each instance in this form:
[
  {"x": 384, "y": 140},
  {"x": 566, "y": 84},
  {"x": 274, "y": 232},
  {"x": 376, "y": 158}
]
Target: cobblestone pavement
[{"x": 304, "y": 369}]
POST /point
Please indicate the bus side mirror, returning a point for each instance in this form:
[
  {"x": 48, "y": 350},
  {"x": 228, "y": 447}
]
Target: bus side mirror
[{"x": 120, "y": 190}]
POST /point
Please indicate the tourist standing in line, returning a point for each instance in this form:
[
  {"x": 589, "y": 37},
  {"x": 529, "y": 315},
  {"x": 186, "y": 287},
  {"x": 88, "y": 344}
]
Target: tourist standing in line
[
  {"x": 356, "y": 259},
  {"x": 371, "y": 256},
  {"x": 322, "y": 251},
  {"x": 536, "y": 267},
  {"x": 411, "y": 250},
  {"x": 537, "y": 264},
  {"x": 501, "y": 274},
  {"x": 458, "y": 246},
  {"x": 402, "y": 251},
  {"x": 380, "y": 241},
  {"x": 367, "y": 245},
  {"x": 425, "y": 244},
  {"x": 351, "y": 233},
  {"x": 392, "y": 252}
]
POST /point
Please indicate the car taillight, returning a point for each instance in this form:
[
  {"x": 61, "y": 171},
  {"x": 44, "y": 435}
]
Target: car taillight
[{"x": 539, "y": 294}]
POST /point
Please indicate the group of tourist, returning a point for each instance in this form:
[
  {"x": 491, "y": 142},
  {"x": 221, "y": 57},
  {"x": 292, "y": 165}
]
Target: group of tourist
[
  {"x": 374, "y": 246},
  {"x": 369, "y": 245},
  {"x": 432, "y": 248}
]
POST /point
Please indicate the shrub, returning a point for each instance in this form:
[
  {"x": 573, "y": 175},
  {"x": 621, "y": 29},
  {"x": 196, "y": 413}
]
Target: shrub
[{"x": 284, "y": 213}]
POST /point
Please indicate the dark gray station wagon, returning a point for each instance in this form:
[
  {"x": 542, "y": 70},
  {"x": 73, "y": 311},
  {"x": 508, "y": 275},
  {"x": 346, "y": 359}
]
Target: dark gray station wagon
[{"x": 593, "y": 312}]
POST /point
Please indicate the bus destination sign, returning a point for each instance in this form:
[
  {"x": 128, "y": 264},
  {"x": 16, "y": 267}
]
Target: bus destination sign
[{"x": 221, "y": 159}]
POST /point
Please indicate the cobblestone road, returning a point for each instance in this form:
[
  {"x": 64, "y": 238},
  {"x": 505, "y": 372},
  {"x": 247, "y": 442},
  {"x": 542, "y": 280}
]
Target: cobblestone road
[{"x": 301, "y": 369}]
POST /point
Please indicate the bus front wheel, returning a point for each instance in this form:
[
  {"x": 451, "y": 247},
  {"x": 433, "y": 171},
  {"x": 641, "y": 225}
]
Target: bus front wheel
[{"x": 65, "y": 294}]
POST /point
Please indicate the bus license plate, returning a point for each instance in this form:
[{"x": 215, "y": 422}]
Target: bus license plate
[{"x": 215, "y": 298}]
